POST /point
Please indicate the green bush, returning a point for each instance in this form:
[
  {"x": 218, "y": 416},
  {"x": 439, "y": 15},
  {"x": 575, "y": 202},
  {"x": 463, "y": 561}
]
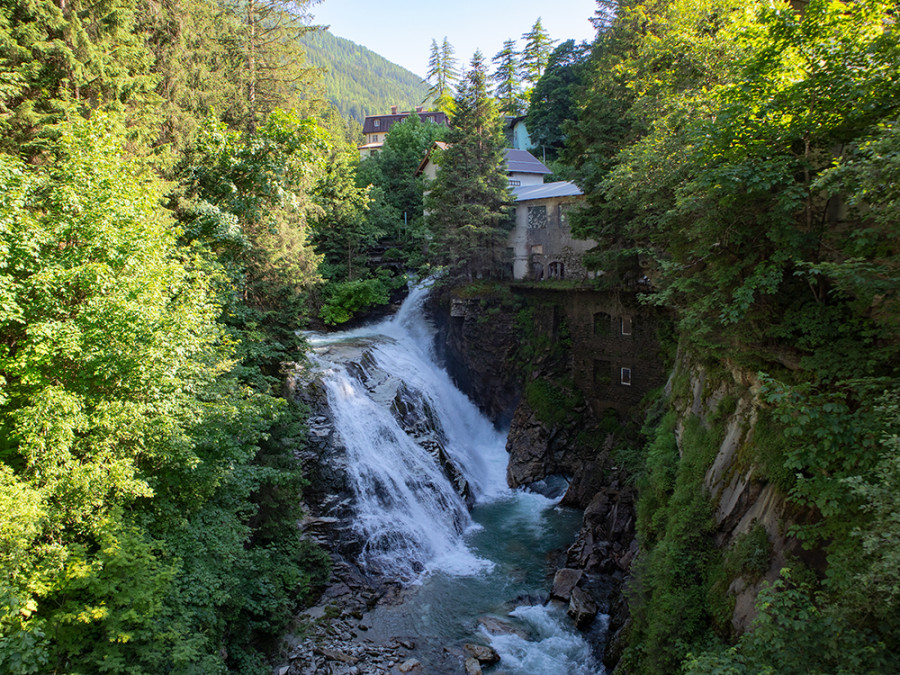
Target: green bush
[{"x": 347, "y": 298}]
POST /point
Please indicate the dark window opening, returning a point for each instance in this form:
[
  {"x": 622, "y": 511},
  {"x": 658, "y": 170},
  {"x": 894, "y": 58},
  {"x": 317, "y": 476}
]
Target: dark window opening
[
  {"x": 602, "y": 373},
  {"x": 602, "y": 324}
]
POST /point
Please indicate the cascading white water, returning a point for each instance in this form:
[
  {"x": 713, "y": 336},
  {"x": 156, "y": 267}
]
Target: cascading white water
[
  {"x": 407, "y": 511},
  {"x": 413, "y": 520}
]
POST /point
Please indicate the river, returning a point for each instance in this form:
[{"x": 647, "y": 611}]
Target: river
[{"x": 470, "y": 575}]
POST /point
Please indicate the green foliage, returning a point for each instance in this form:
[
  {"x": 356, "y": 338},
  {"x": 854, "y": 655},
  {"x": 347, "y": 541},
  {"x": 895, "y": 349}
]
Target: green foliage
[
  {"x": 749, "y": 555},
  {"x": 793, "y": 634},
  {"x": 469, "y": 204},
  {"x": 552, "y": 402},
  {"x": 359, "y": 82},
  {"x": 62, "y": 60},
  {"x": 740, "y": 157},
  {"x": 349, "y": 297},
  {"x": 670, "y": 598},
  {"x": 553, "y": 97},
  {"x": 506, "y": 78},
  {"x": 535, "y": 53},
  {"x": 156, "y": 493},
  {"x": 442, "y": 76}
]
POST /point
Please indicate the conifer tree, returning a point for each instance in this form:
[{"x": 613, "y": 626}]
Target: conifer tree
[
  {"x": 275, "y": 68},
  {"x": 66, "y": 58},
  {"x": 442, "y": 74},
  {"x": 506, "y": 77},
  {"x": 536, "y": 53},
  {"x": 469, "y": 204}
]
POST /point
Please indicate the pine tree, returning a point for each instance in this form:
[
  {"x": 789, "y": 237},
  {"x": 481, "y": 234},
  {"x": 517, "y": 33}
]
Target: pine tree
[
  {"x": 65, "y": 58},
  {"x": 442, "y": 73},
  {"x": 506, "y": 77},
  {"x": 536, "y": 53},
  {"x": 469, "y": 204},
  {"x": 275, "y": 71}
]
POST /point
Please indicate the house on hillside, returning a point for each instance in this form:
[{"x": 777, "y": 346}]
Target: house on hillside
[
  {"x": 376, "y": 127},
  {"x": 516, "y": 132},
  {"x": 522, "y": 168},
  {"x": 541, "y": 243}
]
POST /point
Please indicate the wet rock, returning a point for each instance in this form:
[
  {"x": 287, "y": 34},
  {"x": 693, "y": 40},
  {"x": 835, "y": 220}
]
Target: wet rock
[
  {"x": 473, "y": 666},
  {"x": 483, "y": 653},
  {"x": 496, "y": 626},
  {"x": 334, "y": 655},
  {"x": 409, "y": 666},
  {"x": 564, "y": 581},
  {"x": 582, "y": 608}
]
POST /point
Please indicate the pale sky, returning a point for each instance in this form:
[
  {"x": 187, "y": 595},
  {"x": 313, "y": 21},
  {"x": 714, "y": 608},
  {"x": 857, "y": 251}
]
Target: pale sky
[{"x": 402, "y": 31}]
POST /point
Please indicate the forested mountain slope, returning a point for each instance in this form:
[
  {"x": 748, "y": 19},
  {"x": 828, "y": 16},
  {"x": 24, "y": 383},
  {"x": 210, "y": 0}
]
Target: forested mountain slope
[{"x": 358, "y": 81}]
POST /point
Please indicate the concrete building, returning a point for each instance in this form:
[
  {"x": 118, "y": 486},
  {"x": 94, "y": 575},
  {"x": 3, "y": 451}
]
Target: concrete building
[{"x": 541, "y": 241}]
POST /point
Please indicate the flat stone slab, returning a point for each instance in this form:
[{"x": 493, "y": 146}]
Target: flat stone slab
[{"x": 565, "y": 580}]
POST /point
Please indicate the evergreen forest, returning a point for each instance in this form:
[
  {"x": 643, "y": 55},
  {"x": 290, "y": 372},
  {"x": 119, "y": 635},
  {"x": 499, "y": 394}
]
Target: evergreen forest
[
  {"x": 359, "y": 82},
  {"x": 181, "y": 192}
]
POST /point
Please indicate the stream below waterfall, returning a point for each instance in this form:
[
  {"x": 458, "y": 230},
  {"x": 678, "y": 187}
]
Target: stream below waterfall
[{"x": 416, "y": 452}]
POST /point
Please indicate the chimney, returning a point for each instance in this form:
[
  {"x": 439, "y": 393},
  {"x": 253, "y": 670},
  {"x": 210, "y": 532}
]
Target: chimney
[
  {"x": 419, "y": 108},
  {"x": 393, "y": 110}
]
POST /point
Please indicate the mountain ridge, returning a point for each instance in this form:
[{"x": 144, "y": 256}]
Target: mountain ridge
[{"x": 358, "y": 81}]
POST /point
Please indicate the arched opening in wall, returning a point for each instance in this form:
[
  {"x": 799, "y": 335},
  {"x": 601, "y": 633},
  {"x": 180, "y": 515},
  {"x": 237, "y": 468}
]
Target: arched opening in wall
[
  {"x": 602, "y": 324},
  {"x": 537, "y": 271},
  {"x": 556, "y": 270}
]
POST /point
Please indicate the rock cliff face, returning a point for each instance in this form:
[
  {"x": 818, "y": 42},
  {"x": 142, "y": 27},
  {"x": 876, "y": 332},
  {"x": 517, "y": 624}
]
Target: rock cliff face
[
  {"x": 580, "y": 359},
  {"x": 550, "y": 364},
  {"x": 478, "y": 349},
  {"x": 741, "y": 496}
]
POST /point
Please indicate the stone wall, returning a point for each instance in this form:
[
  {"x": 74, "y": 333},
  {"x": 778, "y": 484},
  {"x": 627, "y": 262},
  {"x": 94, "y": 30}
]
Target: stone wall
[{"x": 615, "y": 356}]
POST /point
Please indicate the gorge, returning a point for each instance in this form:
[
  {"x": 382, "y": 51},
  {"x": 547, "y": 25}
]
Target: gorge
[{"x": 403, "y": 453}]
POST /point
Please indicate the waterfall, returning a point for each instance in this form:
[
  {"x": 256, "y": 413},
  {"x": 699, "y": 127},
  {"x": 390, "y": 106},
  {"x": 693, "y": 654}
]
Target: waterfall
[
  {"x": 389, "y": 404},
  {"x": 417, "y": 454}
]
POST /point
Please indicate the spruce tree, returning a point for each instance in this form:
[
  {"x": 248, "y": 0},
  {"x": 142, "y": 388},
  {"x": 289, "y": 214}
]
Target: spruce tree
[
  {"x": 59, "y": 60},
  {"x": 469, "y": 204},
  {"x": 536, "y": 53},
  {"x": 442, "y": 74},
  {"x": 506, "y": 77}
]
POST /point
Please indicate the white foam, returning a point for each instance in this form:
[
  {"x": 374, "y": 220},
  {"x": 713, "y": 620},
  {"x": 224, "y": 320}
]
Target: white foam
[
  {"x": 407, "y": 511},
  {"x": 554, "y": 648}
]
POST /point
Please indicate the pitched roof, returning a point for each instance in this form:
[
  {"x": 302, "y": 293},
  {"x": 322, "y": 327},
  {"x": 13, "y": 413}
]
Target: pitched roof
[
  {"x": 522, "y": 161},
  {"x": 547, "y": 190},
  {"x": 385, "y": 122},
  {"x": 437, "y": 144},
  {"x": 517, "y": 161}
]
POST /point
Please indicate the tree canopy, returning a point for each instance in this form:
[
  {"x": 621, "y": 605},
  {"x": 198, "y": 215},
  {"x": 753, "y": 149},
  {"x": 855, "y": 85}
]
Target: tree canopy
[{"x": 469, "y": 204}]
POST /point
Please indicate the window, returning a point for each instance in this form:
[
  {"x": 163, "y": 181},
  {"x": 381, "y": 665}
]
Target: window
[
  {"x": 625, "y": 376},
  {"x": 626, "y": 325},
  {"x": 537, "y": 249},
  {"x": 514, "y": 183},
  {"x": 374, "y": 138},
  {"x": 602, "y": 324},
  {"x": 563, "y": 215},
  {"x": 377, "y": 124},
  {"x": 556, "y": 270},
  {"x": 537, "y": 217}
]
